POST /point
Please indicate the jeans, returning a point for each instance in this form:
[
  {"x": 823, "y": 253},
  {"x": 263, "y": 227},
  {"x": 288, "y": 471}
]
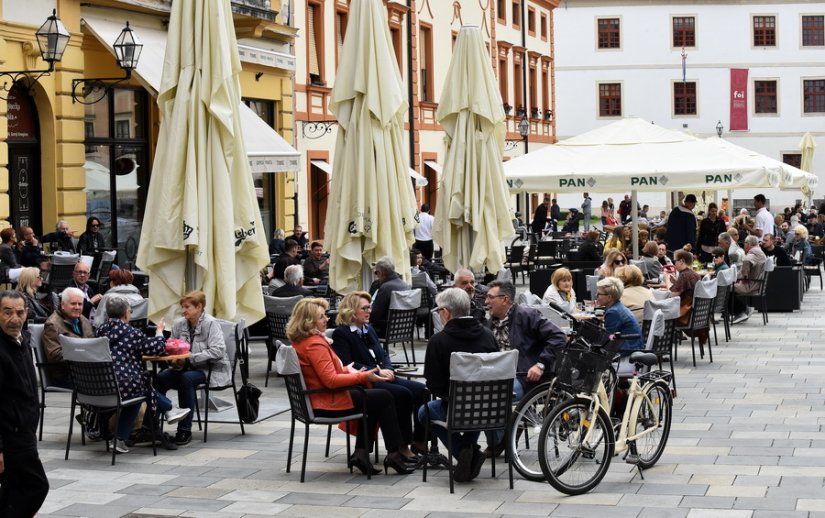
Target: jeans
[
  {"x": 130, "y": 413},
  {"x": 184, "y": 382},
  {"x": 438, "y": 412}
]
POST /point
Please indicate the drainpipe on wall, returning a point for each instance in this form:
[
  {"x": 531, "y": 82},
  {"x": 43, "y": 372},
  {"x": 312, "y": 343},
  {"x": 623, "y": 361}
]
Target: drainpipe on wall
[
  {"x": 410, "y": 91},
  {"x": 525, "y": 62}
]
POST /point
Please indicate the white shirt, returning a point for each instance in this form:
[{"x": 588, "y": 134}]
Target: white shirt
[
  {"x": 764, "y": 222},
  {"x": 424, "y": 230}
]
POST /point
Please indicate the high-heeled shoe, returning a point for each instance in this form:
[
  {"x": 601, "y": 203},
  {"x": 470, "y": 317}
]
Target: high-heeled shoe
[
  {"x": 395, "y": 461},
  {"x": 363, "y": 465}
]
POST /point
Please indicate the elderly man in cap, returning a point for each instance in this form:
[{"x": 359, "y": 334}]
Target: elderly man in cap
[{"x": 681, "y": 225}]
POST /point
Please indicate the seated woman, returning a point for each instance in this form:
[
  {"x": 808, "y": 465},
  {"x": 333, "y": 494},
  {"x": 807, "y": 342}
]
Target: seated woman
[
  {"x": 321, "y": 369},
  {"x": 205, "y": 337},
  {"x": 635, "y": 294},
  {"x": 801, "y": 247},
  {"x": 650, "y": 256},
  {"x": 120, "y": 285},
  {"x": 561, "y": 291},
  {"x": 589, "y": 249},
  {"x": 613, "y": 259},
  {"x": 91, "y": 241},
  {"x": 29, "y": 285},
  {"x": 614, "y": 241},
  {"x": 128, "y": 346},
  {"x": 356, "y": 344},
  {"x": 617, "y": 318},
  {"x": 682, "y": 286}
]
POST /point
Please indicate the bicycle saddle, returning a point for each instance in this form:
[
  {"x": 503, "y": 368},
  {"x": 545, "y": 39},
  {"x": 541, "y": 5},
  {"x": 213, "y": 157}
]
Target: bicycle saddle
[{"x": 644, "y": 358}]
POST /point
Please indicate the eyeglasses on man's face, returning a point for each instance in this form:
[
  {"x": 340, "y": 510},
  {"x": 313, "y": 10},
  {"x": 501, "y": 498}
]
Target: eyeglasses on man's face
[{"x": 488, "y": 296}]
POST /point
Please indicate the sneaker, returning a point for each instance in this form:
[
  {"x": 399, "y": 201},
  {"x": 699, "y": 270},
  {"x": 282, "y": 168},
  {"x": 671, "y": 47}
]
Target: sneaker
[
  {"x": 464, "y": 466},
  {"x": 738, "y": 319},
  {"x": 121, "y": 447},
  {"x": 176, "y": 414},
  {"x": 478, "y": 462},
  {"x": 183, "y": 437},
  {"x": 749, "y": 311}
]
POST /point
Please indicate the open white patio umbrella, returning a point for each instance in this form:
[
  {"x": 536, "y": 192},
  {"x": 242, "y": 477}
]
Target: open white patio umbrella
[
  {"x": 473, "y": 215},
  {"x": 372, "y": 206},
  {"x": 202, "y": 220}
]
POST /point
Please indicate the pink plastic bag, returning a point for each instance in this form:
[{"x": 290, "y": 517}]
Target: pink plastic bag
[{"x": 176, "y": 346}]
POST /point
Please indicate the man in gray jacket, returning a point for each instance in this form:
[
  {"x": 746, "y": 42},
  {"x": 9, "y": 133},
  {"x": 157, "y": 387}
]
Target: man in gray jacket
[{"x": 749, "y": 279}]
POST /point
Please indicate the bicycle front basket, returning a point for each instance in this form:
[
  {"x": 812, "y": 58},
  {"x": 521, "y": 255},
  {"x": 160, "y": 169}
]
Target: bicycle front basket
[{"x": 580, "y": 370}]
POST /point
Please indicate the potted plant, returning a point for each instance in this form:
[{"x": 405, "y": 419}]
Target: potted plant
[
  {"x": 535, "y": 113},
  {"x": 507, "y": 109},
  {"x": 520, "y": 112},
  {"x": 548, "y": 115}
]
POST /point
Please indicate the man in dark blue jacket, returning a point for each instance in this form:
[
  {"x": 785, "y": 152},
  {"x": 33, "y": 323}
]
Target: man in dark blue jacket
[
  {"x": 681, "y": 225},
  {"x": 23, "y": 482},
  {"x": 389, "y": 281}
]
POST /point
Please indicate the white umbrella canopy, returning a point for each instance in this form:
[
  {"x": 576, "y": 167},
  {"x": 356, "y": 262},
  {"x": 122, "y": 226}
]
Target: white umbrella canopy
[
  {"x": 372, "y": 205},
  {"x": 791, "y": 178},
  {"x": 633, "y": 154},
  {"x": 202, "y": 217},
  {"x": 473, "y": 215}
]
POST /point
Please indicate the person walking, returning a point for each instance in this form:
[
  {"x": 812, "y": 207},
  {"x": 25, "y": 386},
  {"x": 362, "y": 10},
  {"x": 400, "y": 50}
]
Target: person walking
[
  {"x": 681, "y": 225},
  {"x": 23, "y": 482}
]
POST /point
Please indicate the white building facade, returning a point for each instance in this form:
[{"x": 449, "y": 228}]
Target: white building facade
[{"x": 755, "y": 70}]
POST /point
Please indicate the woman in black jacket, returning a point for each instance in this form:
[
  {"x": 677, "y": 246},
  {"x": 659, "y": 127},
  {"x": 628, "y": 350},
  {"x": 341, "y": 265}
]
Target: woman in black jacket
[
  {"x": 356, "y": 344},
  {"x": 709, "y": 231}
]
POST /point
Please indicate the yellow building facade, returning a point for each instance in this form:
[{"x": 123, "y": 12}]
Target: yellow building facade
[{"x": 63, "y": 159}]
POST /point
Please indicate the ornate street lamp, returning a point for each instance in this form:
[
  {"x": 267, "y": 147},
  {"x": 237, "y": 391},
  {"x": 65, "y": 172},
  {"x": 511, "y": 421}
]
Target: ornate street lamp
[
  {"x": 127, "y": 51},
  {"x": 52, "y": 39}
]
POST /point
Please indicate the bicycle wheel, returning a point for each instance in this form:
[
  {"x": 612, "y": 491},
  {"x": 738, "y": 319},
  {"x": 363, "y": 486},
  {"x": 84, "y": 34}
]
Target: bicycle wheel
[
  {"x": 572, "y": 462},
  {"x": 655, "y": 411},
  {"x": 528, "y": 417}
]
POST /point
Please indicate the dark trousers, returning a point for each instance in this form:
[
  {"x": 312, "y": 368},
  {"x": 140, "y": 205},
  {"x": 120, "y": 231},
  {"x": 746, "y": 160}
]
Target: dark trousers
[
  {"x": 426, "y": 248},
  {"x": 380, "y": 409},
  {"x": 184, "y": 382},
  {"x": 408, "y": 396},
  {"x": 23, "y": 484}
]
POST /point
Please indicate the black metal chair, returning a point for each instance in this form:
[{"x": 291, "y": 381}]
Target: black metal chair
[
  {"x": 722, "y": 305},
  {"x": 700, "y": 318},
  {"x": 234, "y": 336},
  {"x": 47, "y": 383},
  {"x": 546, "y": 253},
  {"x": 61, "y": 269},
  {"x": 663, "y": 345},
  {"x": 515, "y": 261},
  {"x": 760, "y": 300},
  {"x": 400, "y": 327},
  {"x": 814, "y": 268},
  {"x": 289, "y": 368},
  {"x": 95, "y": 385},
  {"x": 278, "y": 311},
  {"x": 481, "y": 399}
]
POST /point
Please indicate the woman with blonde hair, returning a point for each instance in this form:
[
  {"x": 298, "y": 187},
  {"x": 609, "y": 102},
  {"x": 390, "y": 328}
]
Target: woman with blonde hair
[
  {"x": 561, "y": 291},
  {"x": 635, "y": 294},
  {"x": 28, "y": 284},
  {"x": 613, "y": 259},
  {"x": 356, "y": 343},
  {"x": 322, "y": 369}
]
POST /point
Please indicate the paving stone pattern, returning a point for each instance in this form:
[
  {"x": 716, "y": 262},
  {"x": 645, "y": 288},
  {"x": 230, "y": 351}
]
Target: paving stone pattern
[{"x": 747, "y": 442}]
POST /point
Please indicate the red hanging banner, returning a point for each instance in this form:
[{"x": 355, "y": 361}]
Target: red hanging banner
[{"x": 738, "y": 99}]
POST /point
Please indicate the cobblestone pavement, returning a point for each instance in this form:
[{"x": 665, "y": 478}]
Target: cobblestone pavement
[{"x": 747, "y": 441}]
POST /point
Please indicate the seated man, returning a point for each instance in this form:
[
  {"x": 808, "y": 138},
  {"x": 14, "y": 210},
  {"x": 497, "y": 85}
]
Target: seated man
[
  {"x": 294, "y": 278},
  {"x": 61, "y": 238},
  {"x": 388, "y": 282},
  {"x": 288, "y": 258},
  {"x": 528, "y": 331},
  {"x": 67, "y": 320},
  {"x": 91, "y": 297},
  {"x": 733, "y": 254},
  {"x": 747, "y": 282},
  {"x": 465, "y": 279},
  {"x": 461, "y": 333},
  {"x": 128, "y": 346},
  {"x": 316, "y": 266},
  {"x": 779, "y": 254},
  {"x": 420, "y": 277}
]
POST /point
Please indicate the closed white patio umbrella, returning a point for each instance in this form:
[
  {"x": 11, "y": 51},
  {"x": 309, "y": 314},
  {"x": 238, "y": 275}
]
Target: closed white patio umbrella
[
  {"x": 202, "y": 228},
  {"x": 473, "y": 215},
  {"x": 372, "y": 204}
]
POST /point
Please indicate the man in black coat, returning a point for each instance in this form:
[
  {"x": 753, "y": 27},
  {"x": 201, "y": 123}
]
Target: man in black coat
[
  {"x": 461, "y": 333},
  {"x": 540, "y": 217},
  {"x": 779, "y": 254},
  {"x": 23, "y": 482},
  {"x": 389, "y": 281},
  {"x": 294, "y": 279},
  {"x": 681, "y": 225},
  {"x": 288, "y": 258},
  {"x": 61, "y": 238}
]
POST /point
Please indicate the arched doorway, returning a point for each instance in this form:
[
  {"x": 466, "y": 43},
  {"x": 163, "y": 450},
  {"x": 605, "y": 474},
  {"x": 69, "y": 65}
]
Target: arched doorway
[{"x": 24, "y": 160}]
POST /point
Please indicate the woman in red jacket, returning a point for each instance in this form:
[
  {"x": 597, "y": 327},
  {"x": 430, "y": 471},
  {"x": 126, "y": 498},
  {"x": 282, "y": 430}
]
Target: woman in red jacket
[{"x": 321, "y": 368}]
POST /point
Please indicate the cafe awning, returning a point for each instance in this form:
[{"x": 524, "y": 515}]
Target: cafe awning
[
  {"x": 323, "y": 165},
  {"x": 267, "y": 151}
]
